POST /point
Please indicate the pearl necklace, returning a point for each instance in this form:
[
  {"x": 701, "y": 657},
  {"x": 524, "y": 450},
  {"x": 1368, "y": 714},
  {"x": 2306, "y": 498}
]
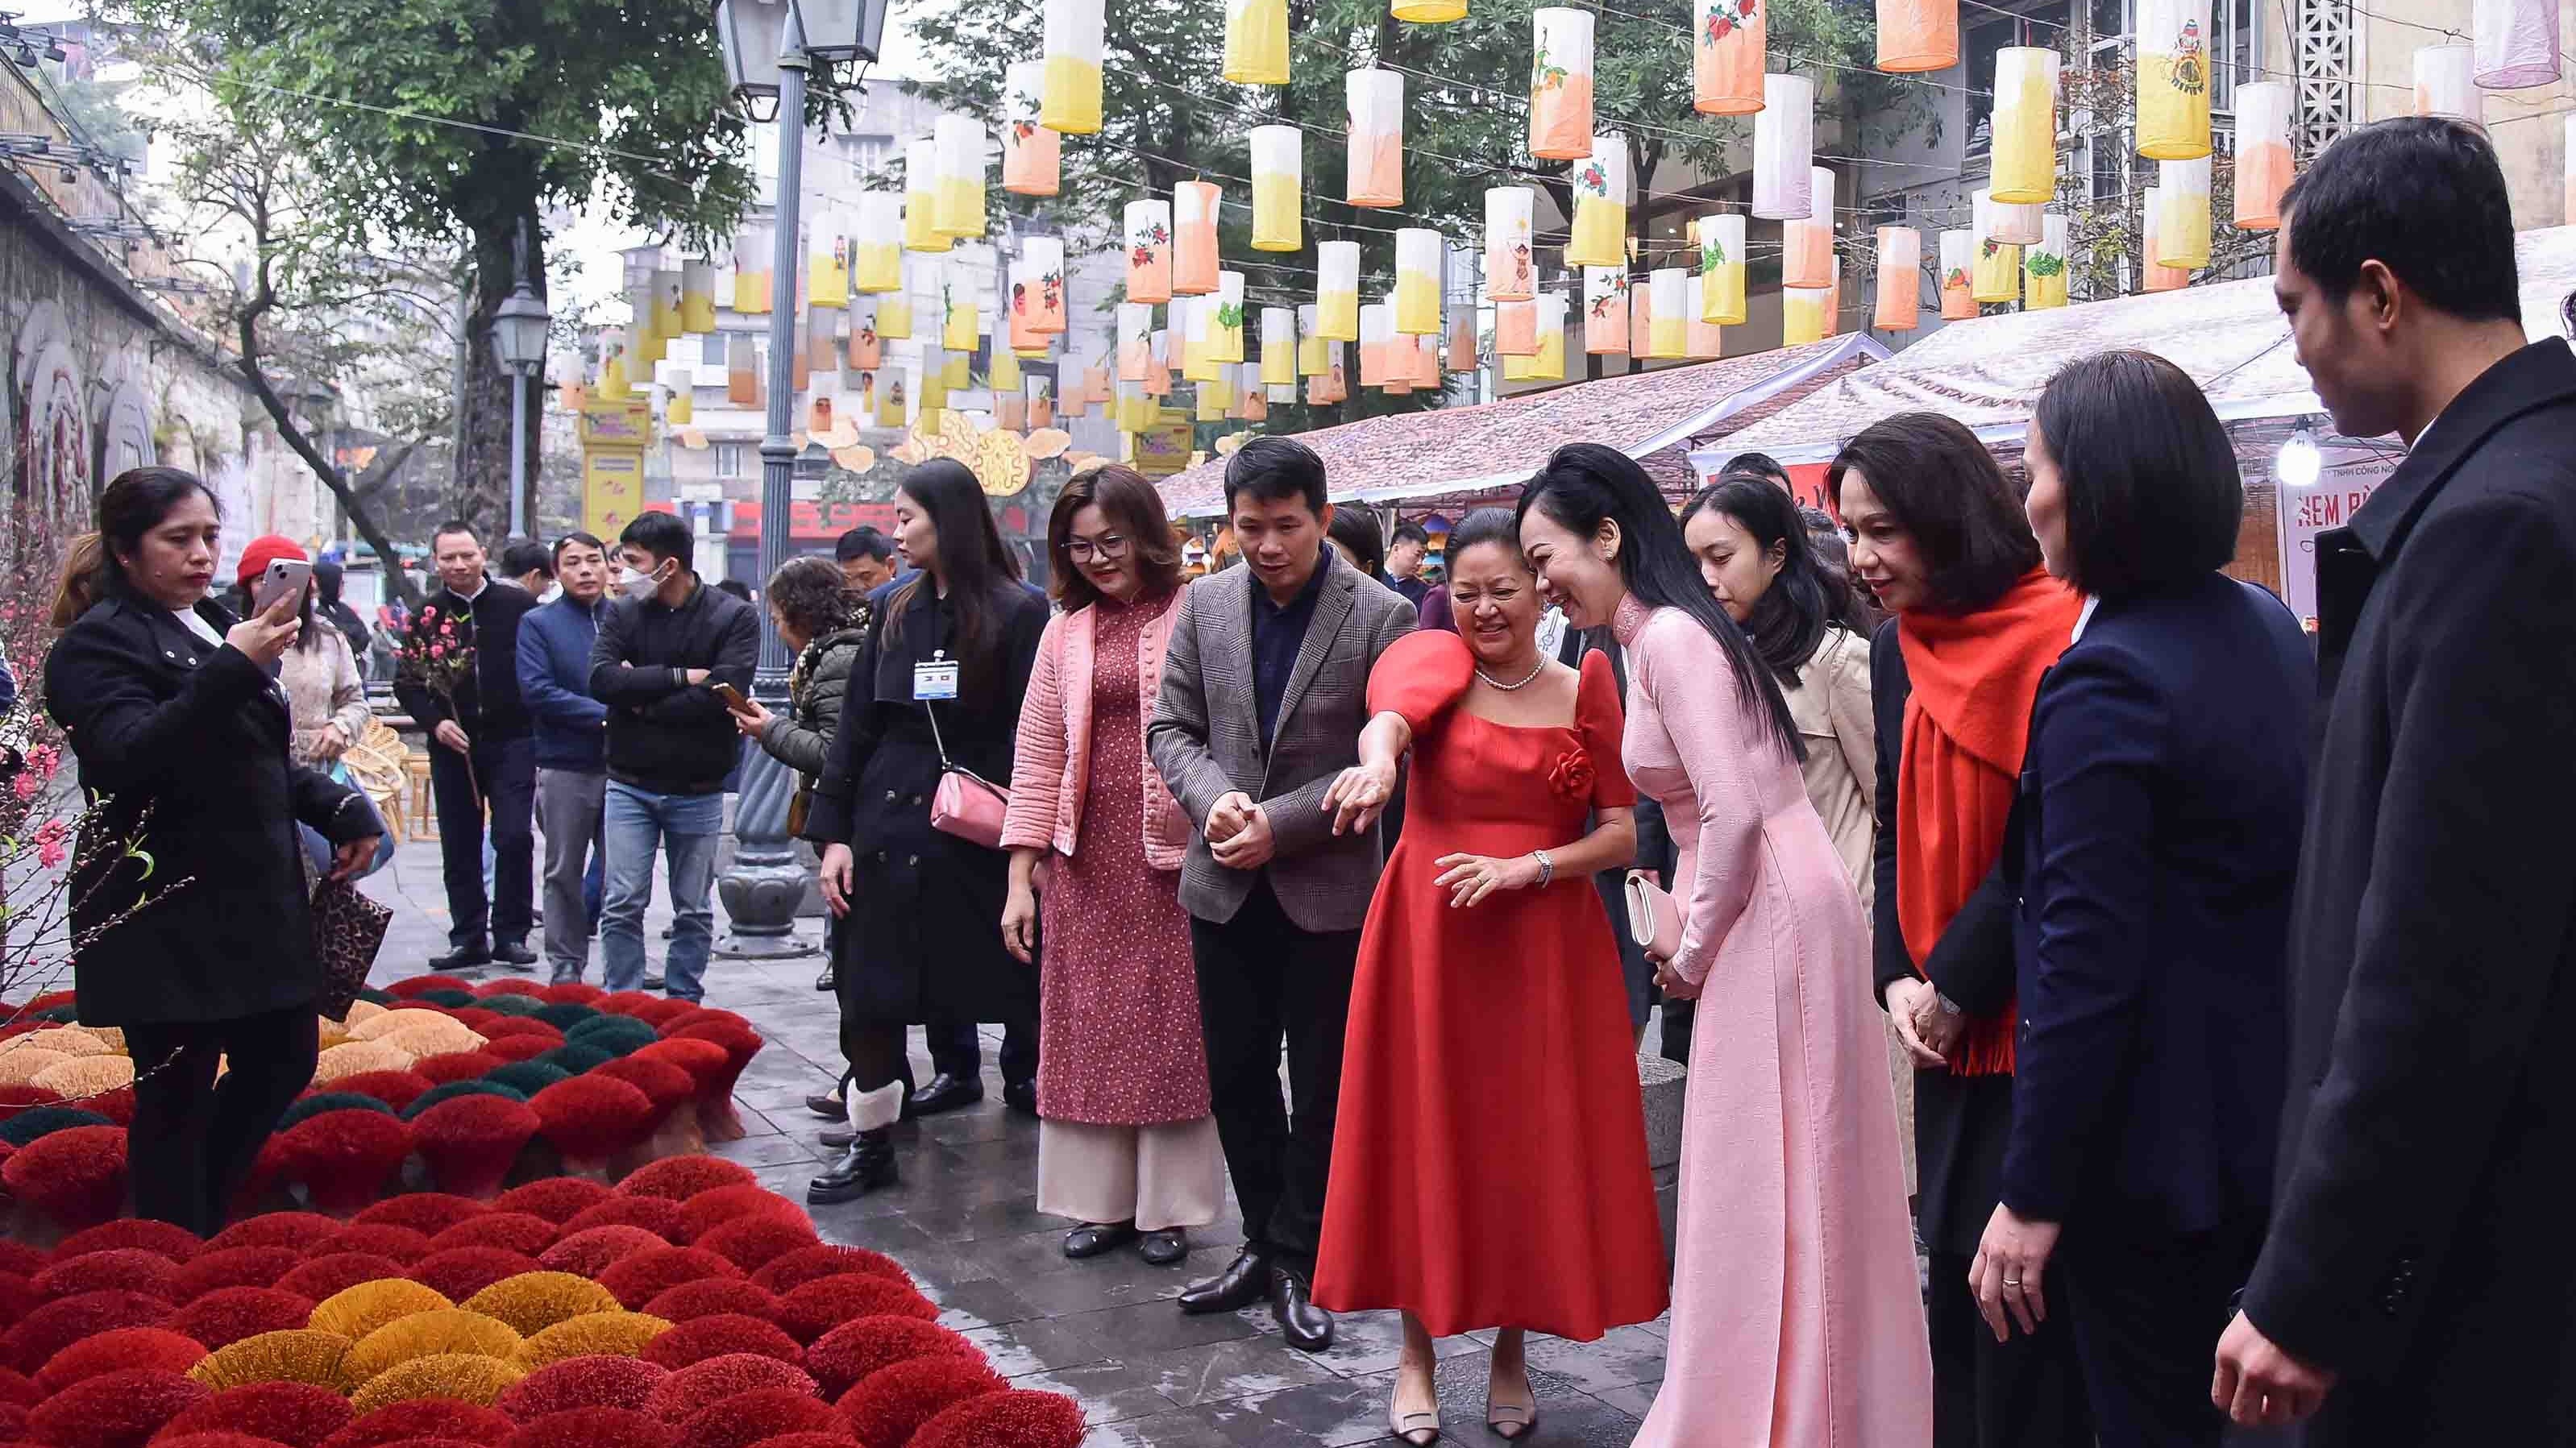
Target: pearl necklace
[{"x": 1523, "y": 684}]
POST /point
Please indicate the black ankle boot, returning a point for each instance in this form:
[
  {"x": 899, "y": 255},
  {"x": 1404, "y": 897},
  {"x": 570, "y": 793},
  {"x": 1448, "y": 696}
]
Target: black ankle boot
[{"x": 866, "y": 1166}]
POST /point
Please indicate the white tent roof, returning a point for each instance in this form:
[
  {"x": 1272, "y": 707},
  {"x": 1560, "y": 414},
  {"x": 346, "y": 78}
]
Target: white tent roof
[{"x": 2230, "y": 336}]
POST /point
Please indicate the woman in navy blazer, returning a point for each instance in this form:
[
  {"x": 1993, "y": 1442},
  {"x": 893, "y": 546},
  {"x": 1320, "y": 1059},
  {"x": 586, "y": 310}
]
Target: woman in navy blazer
[{"x": 2156, "y": 842}]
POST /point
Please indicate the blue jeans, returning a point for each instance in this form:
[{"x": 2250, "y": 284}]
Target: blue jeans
[{"x": 637, "y": 824}]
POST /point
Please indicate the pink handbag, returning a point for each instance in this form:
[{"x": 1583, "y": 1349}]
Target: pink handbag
[
  {"x": 1654, "y": 921},
  {"x": 965, "y": 804}
]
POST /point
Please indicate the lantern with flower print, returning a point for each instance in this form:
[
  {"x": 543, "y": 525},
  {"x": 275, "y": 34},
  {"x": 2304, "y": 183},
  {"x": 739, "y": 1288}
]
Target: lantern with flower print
[
  {"x": 1194, "y": 246},
  {"x": 865, "y": 350},
  {"x": 2263, "y": 166},
  {"x": 1900, "y": 279},
  {"x": 1043, "y": 300},
  {"x": 1958, "y": 265},
  {"x": 1337, "y": 290},
  {"x": 2517, "y": 43},
  {"x": 1511, "y": 268},
  {"x": 1373, "y": 163},
  {"x": 920, "y": 200},
  {"x": 2446, "y": 83},
  {"x": 1278, "y": 346},
  {"x": 1331, "y": 384},
  {"x": 1418, "y": 256},
  {"x": 1561, "y": 84},
  {"x": 1605, "y": 310},
  {"x": 2173, "y": 79},
  {"x": 2043, "y": 268},
  {"x": 1256, "y": 42},
  {"x": 1278, "y": 174},
  {"x": 1721, "y": 268},
  {"x": 1149, "y": 251},
  {"x": 1783, "y": 145},
  {"x": 1807, "y": 246},
  {"x": 2179, "y": 228},
  {"x": 1996, "y": 275},
  {"x": 2025, "y": 125},
  {"x": 959, "y": 211},
  {"x": 1070, "y": 100},
  {"x": 1031, "y": 156},
  {"x": 1601, "y": 206},
  {"x": 1225, "y": 318},
  {"x": 1727, "y": 47}
]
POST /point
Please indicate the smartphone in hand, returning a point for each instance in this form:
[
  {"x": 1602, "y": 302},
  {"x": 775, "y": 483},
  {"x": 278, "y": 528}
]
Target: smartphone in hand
[
  {"x": 732, "y": 697},
  {"x": 284, "y": 578}
]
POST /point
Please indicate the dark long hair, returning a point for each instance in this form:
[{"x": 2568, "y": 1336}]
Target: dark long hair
[
  {"x": 133, "y": 504},
  {"x": 1585, "y": 484},
  {"x": 1131, "y": 505},
  {"x": 972, "y": 561},
  {"x": 1789, "y": 620}
]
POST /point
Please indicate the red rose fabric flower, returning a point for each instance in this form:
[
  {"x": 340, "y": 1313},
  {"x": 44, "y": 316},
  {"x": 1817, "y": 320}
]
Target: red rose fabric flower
[{"x": 1571, "y": 776}]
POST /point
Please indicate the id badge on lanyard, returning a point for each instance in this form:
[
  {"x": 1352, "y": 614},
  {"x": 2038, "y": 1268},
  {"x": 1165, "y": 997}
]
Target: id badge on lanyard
[{"x": 935, "y": 680}]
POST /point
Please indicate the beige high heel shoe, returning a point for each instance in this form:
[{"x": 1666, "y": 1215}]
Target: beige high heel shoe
[{"x": 1419, "y": 1429}]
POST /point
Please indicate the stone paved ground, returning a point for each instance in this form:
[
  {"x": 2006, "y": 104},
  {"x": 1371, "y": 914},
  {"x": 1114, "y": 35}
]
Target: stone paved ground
[{"x": 965, "y": 1222}]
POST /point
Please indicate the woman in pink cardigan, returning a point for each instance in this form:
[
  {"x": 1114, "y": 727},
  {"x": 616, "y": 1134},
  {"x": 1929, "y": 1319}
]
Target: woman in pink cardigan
[{"x": 1127, "y": 1144}]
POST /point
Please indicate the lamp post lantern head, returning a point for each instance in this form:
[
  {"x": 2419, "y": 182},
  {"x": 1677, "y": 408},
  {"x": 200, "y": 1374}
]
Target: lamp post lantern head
[
  {"x": 842, "y": 29},
  {"x": 750, "y": 31},
  {"x": 519, "y": 329}
]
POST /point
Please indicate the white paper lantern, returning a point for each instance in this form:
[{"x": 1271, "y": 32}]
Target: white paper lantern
[
  {"x": 1337, "y": 290},
  {"x": 2179, "y": 230},
  {"x": 960, "y": 209},
  {"x": 1783, "y": 148},
  {"x": 1958, "y": 275},
  {"x": 1667, "y": 312},
  {"x": 2517, "y": 43},
  {"x": 1377, "y": 333},
  {"x": 1511, "y": 267},
  {"x": 2024, "y": 150},
  {"x": 2446, "y": 83},
  {"x": 2010, "y": 224},
  {"x": 1310, "y": 347},
  {"x": 2567, "y": 202},
  {"x": 2263, "y": 166},
  {"x": 1225, "y": 334},
  {"x": 920, "y": 198},
  {"x": 1996, "y": 274},
  {"x": 1374, "y": 162}
]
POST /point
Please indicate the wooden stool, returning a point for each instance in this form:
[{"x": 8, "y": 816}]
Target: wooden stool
[{"x": 423, "y": 811}]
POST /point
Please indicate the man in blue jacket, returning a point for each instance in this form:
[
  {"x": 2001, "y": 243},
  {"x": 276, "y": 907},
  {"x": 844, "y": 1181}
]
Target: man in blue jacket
[{"x": 571, "y": 733}]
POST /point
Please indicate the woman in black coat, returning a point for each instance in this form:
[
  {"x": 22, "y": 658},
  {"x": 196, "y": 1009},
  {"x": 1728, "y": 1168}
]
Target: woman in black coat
[
  {"x": 190, "y": 906},
  {"x": 950, "y": 649}
]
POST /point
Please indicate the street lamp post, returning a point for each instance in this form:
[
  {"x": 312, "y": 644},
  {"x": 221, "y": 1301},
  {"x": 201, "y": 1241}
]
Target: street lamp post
[
  {"x": 519, "y": 341},
  {"x": 767, "y": 882}
]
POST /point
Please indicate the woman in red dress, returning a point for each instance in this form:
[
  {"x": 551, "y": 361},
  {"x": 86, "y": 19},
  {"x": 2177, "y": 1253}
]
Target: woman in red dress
[{"x": 1489, "y": 1169}]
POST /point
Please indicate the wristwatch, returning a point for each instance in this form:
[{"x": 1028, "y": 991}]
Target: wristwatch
[{"x": 1546, "y": 868}]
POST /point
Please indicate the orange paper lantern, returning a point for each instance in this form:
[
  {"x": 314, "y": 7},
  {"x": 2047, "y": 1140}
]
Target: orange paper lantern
[
  {"x": 1727, "y": 57},
  {"x": 1194, "y": 249}
]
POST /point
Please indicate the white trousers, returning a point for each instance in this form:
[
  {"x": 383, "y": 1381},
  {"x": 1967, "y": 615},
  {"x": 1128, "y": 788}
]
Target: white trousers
[{"x": 1154, "y": 1176}]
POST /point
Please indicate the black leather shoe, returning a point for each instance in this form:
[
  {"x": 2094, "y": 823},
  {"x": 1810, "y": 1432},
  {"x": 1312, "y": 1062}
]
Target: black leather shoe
[
  {"x": 1021, "y": 1096},
  {"x": 515, "y": 954},
  {"x": 1308, "y": 1328},
  {"x": 1165, "y": 1247},
  {"x": 946, "y": 1093},
  {"x": 828, "y": 1105},
  {"x": 1093, "y": 1238},
  {"x": 1243, "y": 1282},
  {"x": 865, "y": 1167},
  {"x": 653, "y": 980},
  {"x": 463, "y": 957},
  {"x": 838, "y": 1138},
  {"x": 829, "y": 981}
]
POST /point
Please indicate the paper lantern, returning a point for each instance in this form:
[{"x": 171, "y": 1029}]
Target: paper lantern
[
  {"x": 1834, "y": 301},
  {"x": 752, "y": 247},
  {"x": 666, "y": 303},
  {"x": 1917, "y": 35},
  {"x": 2517, "y": 43},
  {"x": 800, "y": 375},
  {"x": 1900, "y": 279},
  {"x": 1149, "y": 251},
  {"x": 866, "y": 350},
  {"x": 2262, "y": 153},
  {"x": 1005, "y": 376},
  {"x": 2446, "y": 82},
  {"x": 1018, "y": 328},
  {"x": 876, "y": 261},
  {"x": 1278, "y": 171},
  {"x": 1377, "y": 333},
  {"x": 1310, "y": 344},
  {"x": 960, "y": 328},
  {"x": 2173, "y": 79},
  {"x": 823, "y": 338},
  {"x": 1601, "y": 205},
  {"x": 679, "y": 407},
  {"x": 2163, "y": 278},
  {"x": 1996, "y": 274},
  {"x": 2007, "y": 222},
  {"x": 742, "y": 370},
  {"x": 1031, "y": 156},
  {"x": 1641, "y": 317},
  {"x": 1426, "y": 360},
  {"x": 1958, "y": 262},
  {"x": 1189, "y": 334},
  {"x": 1010, "y": 411},
  {"x": 697, "y": 297},
  {"x": 1251, "y": 397},
  {"x": 1428, "y": 12},
  {"x": 2025, "y": 125},
  {"x": 827, "y": 260},
  {"x": 1070, "y": 102},
  {"x": 1194, "y": 250},
  {"x": 1561, "y": 84},
  {"x": 1548, "y": 365},
  {"x": 1256, "y": 42},
  {"x": 1278, "y": 346},
  {"x": 2043, "y": 267},
  {"x": 1803, "y": 316},
  {"x": 894, "y": 309},
  {"x": 1807, "y": 246},
  {"x": 920, "y": 198},
  {"x": 1135, "y": 340},
  {"x": 1337, "y": 290},
  {"x": 1225, "y": 318},
  {"x": 1216, "y": 398},
  {"x": 1374, "y": 159},
  {"x": 1045, "y": 299},
  {"x": 1702, "y": 340},
  {"x": 1333, "y": 384},
  {"x": 1418, "y": 256},
  {"x": 1721, "y": 268},
  {"x": 1158, "y": 351},
  {"x": 1727, "y": 57},
  {"x": 1511, "y": 270},
  {"x": 1668, "y": 297},
  {"x": 1783, "y": 142},
  {"x": 1605, "y": 310},
  {"x": 1516, "y": 329},
  {"x": 1462, "y": 340},
  {"x": 960, "y": 207},
  {"x": 644, "y": 345},
  {"x": 1135, "y": 409},
  {"x": 2179, "y": 228}
]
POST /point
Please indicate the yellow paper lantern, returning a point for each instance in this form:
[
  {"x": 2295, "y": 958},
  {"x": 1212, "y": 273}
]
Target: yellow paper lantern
[
  {"x": 1601, "y": 206},
  {"x": 697, "y": 297},
  {"x": 1149, "y": 251},
  {"x": 1511, "y": 266},
  {"x": 1374, "y": 158},
  {"x": 2173, "y": 79},
  {"x": 1135, "y": 409},
  {"x": 752, "y": 259},
  {"x": 1900, "y": 279},
  {"x": 1224, "y": 312},
  {"x": 679, "y": 408},
  {"x": 959, "y": 324},
  {"x": 1727, "y": 57},
  {"x": 1547, "y": 364},
  {"x": 1807, "y": 247},
  {"x": 921, "y": 197},
  {"x": 1561, "y": 84},
  {"x": 1428, "y": 12},
  {"x": 1256, "y": 42},
  {"x": 1312, "y": 354},
  {"x": 2179, "y": 227},
  {"x": 2043, "y": 268},
  {"x": 1194, "y": 245},
  {"x": 1417, "y": 281},
  {"x": 2025, "y": 125},
  {"x": 1701, "y": 339},
  {"x": 2263, "y": 167},
  {"x": 1996, "y": 274},
  {"x": 1337, "y": 290},
  {"x": 1958, "y": 263},
  {"x": 1667, "y": 307},
  {"x": 1216, "y": 394},
  {"x": 931, "y": 388},
  {"x": 1605, "y": 310},
  {"x": 612, "y": 376},
  {"x": 1135, "y": 340},
  {"x": 1917, "y": 35},
  {"x": 644, "y": 342},
  {"x": 1032, "y": 160},
  {"x": 1070, "y": 99},
  {"x": 1278, "y": 173},
  {"x": 827, "y": 261},
  {"x": 1278, "y": 346},
  {"x": 1783, "y": 147},
  {"x": 876, "y": 260},
  {"x": 1721, "y": 268},
  {"x": 666, "y": 304},
  {"x": 960, "y": 208},
  {"x": 1802, "y": 316},
  {"x": 894, "y": 309}
]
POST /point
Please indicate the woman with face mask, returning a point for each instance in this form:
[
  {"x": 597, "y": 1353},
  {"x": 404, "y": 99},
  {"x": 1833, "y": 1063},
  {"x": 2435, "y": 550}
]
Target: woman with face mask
[
  {"x": 1489, "y": 1160},
  {"x": 1795, "y": 1319}
]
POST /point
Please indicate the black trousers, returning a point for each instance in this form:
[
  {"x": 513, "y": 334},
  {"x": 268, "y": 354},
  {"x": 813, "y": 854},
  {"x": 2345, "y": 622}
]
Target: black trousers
[
  {"x": 1262, "y": 982},
  {"x": 2147, "y": 1312},
  {"x": 506, "y": 772},
  {"x": 195, "y": 1139},
  {"x": 2024, "y": 1392},
  {"x": 955, "y": 1050}
]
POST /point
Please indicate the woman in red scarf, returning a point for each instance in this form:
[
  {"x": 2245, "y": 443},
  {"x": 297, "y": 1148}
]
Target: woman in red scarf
[{"x": 1939, "y": 536}]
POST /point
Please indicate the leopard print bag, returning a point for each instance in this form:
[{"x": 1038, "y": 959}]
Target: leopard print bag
[{"x": 348, "y": 930}]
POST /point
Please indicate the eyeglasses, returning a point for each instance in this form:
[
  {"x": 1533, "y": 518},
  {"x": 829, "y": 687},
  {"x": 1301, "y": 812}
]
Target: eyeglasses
[{"x": 1083, "y": 550}]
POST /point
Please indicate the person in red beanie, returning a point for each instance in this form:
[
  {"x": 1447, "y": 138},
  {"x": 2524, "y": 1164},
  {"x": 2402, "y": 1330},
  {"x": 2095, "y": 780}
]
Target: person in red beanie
[{"x": 326, "y": 696}]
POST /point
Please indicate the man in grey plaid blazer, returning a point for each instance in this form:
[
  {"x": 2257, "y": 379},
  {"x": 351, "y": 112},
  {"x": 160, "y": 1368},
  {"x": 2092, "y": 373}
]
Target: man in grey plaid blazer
[{"x": 1264, "y": 694}]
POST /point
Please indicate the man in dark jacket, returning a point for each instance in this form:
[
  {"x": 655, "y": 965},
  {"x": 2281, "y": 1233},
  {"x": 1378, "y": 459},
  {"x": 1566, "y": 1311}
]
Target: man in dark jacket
[
  {"x": 480, "y": 753},
  {"x": 555, "y": 640},
  {"x": 2415, "y": 1286},
  {"x": 663, "y": 647}
]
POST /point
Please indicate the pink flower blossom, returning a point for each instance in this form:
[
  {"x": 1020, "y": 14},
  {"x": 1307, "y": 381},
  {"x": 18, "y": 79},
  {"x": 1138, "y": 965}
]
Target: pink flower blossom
[
  {"x": 438, "y": 651},
  {"x": 51, "y": 849},
  {"x": 25, "y": 785}
]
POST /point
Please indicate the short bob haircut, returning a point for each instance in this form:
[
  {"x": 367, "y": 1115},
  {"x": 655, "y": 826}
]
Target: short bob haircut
[
  {"x": 1945, "y": 491},
  {"x": 2153, "y": 496},
  {"x": 1356, "y": 528},
  {"x": 1134, "y": 509},
  {"x": 1274, "y": 470}
]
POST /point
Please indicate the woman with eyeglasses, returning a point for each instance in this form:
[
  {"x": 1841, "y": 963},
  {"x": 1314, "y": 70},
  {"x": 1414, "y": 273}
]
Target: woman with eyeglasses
[{"x": 1127, "y": 1143}]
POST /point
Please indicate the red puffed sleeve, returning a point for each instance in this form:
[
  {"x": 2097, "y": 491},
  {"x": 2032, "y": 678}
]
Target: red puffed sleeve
[
  {"x": 1421, "y": 676},
  {"x": 1599, "y": 717}
]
